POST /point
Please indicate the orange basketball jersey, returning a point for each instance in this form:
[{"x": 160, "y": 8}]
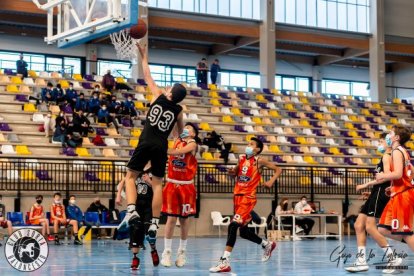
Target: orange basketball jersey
[
  {"x": 406, "y": 181},
  {"x": 248, "y": 177},
  {"x": 58, "y": 210},
  {"x": 182, "y": 167},
  {"x": 37, "y": 211}
]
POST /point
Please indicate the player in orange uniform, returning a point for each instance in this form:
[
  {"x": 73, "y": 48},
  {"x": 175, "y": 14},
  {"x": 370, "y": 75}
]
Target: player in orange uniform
[
  {"x": 397, "y": 218},
  {"x": 58, "y": 217},
  {"x": 248, "y": 173},
  {"x": 37, "y": 217},
  {"x": 179, "y": 195}
]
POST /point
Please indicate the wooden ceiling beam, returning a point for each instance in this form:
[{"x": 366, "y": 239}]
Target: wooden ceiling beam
[
  {"x": 238, "y": 43},
  {"x": 348, "y": 53},
  {"x": 180, "y": 35},
  {"x": 21, "y": 6}
]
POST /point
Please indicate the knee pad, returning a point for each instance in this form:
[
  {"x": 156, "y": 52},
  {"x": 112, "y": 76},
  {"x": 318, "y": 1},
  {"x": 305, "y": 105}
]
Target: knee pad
[
  {"x": 136, "y": 234},
  {"x": 232, "y": 233}
]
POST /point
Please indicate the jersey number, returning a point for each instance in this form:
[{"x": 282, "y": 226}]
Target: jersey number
[
  {"x": 395, "y": 224},
  {"x": 245, "y": 169},
  {"x": 186, "y": 208},
  {"x": 142, "y": 189},
  {"x": 159, "y": 117}
]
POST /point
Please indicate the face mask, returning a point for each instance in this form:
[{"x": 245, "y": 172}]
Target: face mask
[
  {"x": 39, "y": 201},
  {"x": 95, "y": 97},
  {"x": 185, "y": 134},
  {"x": 72, "y": 202},
  {"x": 103, "y": 108},
  {"x": 70, "y": 87},
  {"x": 381, "y": 149},
  {"x": 303, "y": 202},
  {"x": 96, "y": 89},
  {"x": 129, "y": 100},
  {"x": 248, "y": 150},
  {"x": 57, "y": 201},
  {"x": 49, "y": 116},
  {"x": 388, "y": 140}
]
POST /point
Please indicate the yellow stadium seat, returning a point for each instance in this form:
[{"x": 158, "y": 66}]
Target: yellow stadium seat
[
  {"x": 27, "y": 175},
  {"x": 32, "y": 73},
  {"x": 349, "y": 125},
  {"x": 290, "y": 107},
  {"x": 261, "y": 98},
  {"x": 29, "y": 107},
  {"x": 212, "y": 87},
  {"x": 335, "y": 151},
  {"x": 139, "y": 105},
  {"x": 353, "y": 134},
  {"x": 275, "y": 149},
  {"x": 120, "y": 80},
  {"x": 309, "y": 160},
  {"x": 319, "y": 116},
  {"x": 275, "y": 91},
  {"x": 24, "y": 89},
  {"x": 77, "y": 77},
  {"x": 140, "y": 89},
  {"x": 22, "y": 150},
  {"x": 148, "y": 97},
  {"x": 332, "y": 109},
  {"x": 64, "y": 84},
  {"x": 2, "y": 138},
  {"x": 54, "y": 109},
  {"x": 357, "y": 143},
  {"x": 136, "y": 132},
  {"x": 301, "y": 140},
  {"x": 353, "y": 118},
  {"x": 106, "y": 165},
  {"x": 82, "y": 152},
  {"x": 12, "y": 88},
  {"x": 257, "y": 120},
  {"x": 16, "y": 80},
  {"x": 104, "y": 176},
  {"x": 376, "y": 106},
  {"x": 170, "y": 144},
  {"x": 375, "y": 160},
  {"x": 249, "y": 137},
  {"x": 365, "y": 112},
  {"x": 133, "y": 143},
  {"x": 108, "y": 153},
  {"x": 304, "y": 123},
  {"x": 305, "y": 180},
  {"x": 215, "y": 102},
  {"x": 236, "y": 111},
  {"x": 274, "y": 114},
  {"x": 205, "y": 126},
  {"x": 303, "y": 100},
  {"x": 412, "y": 136},
  {"x": 396, "y": 101},
  {"x": 409, "y": 144},
  {"x": 213, "y": 94},
  {"x": 207, "y": 156},
  {"x": 394, "y": 121},
  {"x": 227, "y": 119}
]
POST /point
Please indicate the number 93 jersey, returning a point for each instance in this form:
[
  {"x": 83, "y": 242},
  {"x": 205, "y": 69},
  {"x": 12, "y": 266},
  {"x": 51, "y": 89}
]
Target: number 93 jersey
[{"x": 160, "y": 121}]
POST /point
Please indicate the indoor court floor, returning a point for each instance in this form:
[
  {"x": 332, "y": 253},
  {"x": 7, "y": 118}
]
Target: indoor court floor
[{"x": 306, "y": 257}]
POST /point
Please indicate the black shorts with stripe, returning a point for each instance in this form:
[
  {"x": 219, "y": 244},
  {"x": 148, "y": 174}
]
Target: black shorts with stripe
[{"x": 375, "y": 203}]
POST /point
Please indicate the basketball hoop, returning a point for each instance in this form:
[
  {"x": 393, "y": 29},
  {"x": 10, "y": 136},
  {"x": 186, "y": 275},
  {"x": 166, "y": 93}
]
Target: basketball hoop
[{"x": 125, "y": 45}]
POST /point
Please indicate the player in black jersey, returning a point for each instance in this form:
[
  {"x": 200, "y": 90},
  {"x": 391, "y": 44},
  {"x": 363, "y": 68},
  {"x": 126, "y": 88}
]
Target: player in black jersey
[
  {"x": 137, "y": 231},
  {"x": 372, "y": 209},
  {"x": 164, "y": 113}
]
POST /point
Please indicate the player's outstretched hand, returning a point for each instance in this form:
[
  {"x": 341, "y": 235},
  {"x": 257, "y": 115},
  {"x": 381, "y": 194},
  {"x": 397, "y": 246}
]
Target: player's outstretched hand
[
  {"x": 379, "y": 176},
  {"x": 361, "y": 186},
  {"x": 268, "y": 184},
  {"x": 118, "y": 200},
  {"x": 142, "y": 50}
]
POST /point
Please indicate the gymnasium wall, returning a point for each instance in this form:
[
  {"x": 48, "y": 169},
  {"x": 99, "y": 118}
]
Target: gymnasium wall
[{"x": 399, "y": 20}]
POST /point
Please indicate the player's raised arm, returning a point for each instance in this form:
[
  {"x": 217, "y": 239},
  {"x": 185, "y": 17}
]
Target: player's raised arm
[
  {"x": 276, "y": 171},
  {"x": 155, "y": 90},
  {"x": 190, "y": 147},
  {"x": 180, "y": 123}
]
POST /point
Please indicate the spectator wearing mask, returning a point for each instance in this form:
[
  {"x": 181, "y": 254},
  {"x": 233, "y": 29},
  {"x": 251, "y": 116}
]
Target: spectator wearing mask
[
  {"x": 94, "y": 104},
  {"x": 73, "y": 212},
  {"x": 129, "y": 107},
  {"x": 21, "y": 66},
  {"x": 302, "y": 207},
  {"x": 47, "y": 93},
  {"x": 202, "y": 69},
  {"x": 58, "y": 94},
  {"x": 97, "y": 206},
  {"x": 61, "y": 133},
  {"x": 108, "y": 81},
  {"x": 81, "y": 123},
  {"x": 114, "y": 105},
  {"x": 105, "y": 117},
  {"x": 215, "y": 69},
  {"x": 81, "y": 103},
  {"x": 71, "y": 95}
]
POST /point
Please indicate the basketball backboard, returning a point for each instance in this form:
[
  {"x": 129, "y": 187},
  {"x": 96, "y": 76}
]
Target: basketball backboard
[{"x": 74, "y": 22}]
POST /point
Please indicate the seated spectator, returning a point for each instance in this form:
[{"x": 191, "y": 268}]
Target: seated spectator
[
  {"x": 114, "y": 106},
  {"x": 94, "y": 104},
  {"x": 47, "y": 93},
  {"x": 37, "y": 217},
  {"x": 129, "y": 107},
  {"x": 73, "y": 212},
  {"x": 105, "y": 117},
  {"x": 62, "y": 117},
  {"x": 81, "y": 123},
  {"x": 4, "y": 223},
  {"x": 283, "y": 209},
  {"x": 81, "y": 103},
  {"x": 97, "y": 206},
  {"x": 302, "y": 207},
  {"x": 58, "y": 218},
  {"x": 74, "y": 140},
  {"x": 71, "y": 95},
  {"x": 61, "y": 133},
  {"x": 58, "y": 94}
]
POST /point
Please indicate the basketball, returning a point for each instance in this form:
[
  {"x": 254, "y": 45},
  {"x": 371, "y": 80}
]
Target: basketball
[{"x": 138, "y": 31}]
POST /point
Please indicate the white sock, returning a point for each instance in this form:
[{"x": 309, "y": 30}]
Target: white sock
[
  {"x": 226, "y": 254},
  {"x": 183, "y": 245},
  {"x": 264, "y": 243},
  {"x": 167, "y": 244},
  {"x": 130, "y": 208},
  {"x": 361, "y": 255},
  {"x": 155, "y": 221}
]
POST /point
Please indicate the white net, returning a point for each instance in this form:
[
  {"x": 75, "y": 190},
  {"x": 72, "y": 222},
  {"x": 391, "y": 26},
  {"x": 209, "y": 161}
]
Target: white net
[{"x": 125, "y": 45}]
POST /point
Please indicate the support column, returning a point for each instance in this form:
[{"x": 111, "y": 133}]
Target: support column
[
  {"x": 91, "y": 59},
  {"x": 136, "y": 72},
  {"x": 377, "y": 52},
  {"x": 267, "y": 44},
  {"x": 317, "y": 79}
]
